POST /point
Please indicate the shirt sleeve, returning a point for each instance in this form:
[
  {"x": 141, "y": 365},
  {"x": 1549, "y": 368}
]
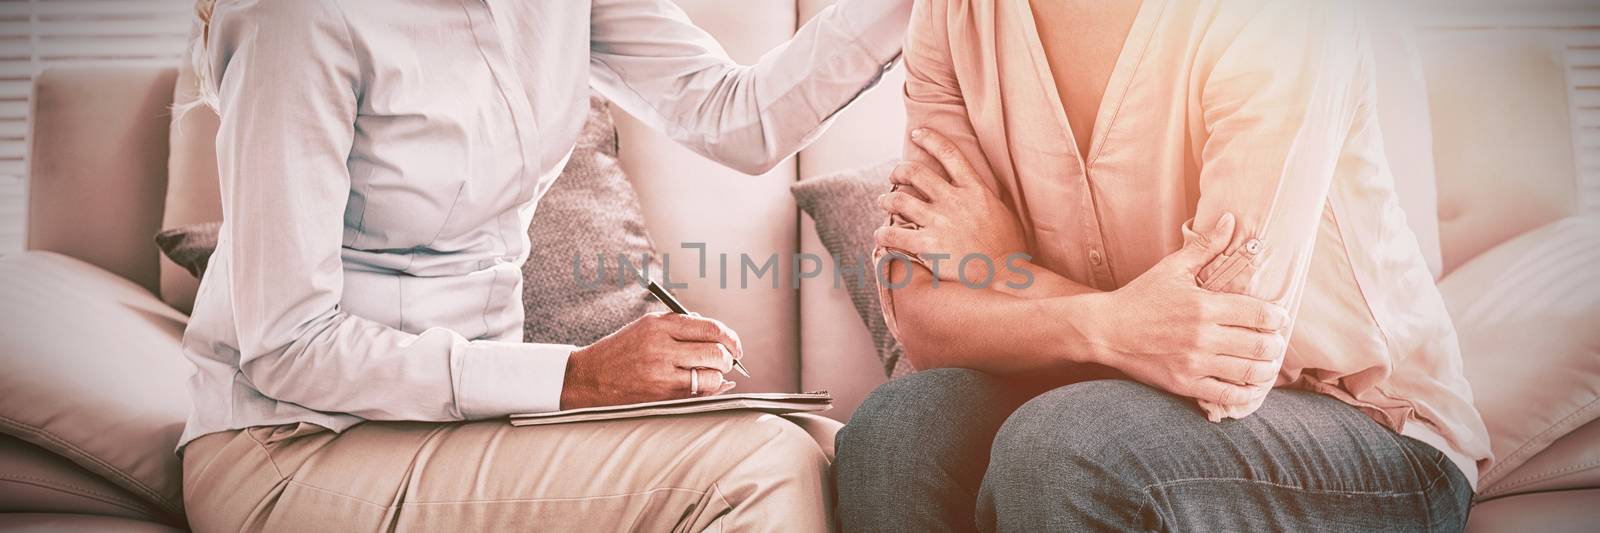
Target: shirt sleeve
[
  {"x": 1278, "y": 107},
  {"x": 934, "y": 101},
  {"x": 288, "y": 86},
  {"x": 650, "y": 60}
]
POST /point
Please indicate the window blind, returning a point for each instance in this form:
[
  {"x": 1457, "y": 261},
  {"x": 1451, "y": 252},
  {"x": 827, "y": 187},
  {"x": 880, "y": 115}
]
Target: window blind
[{"x": 40, "y": 34}]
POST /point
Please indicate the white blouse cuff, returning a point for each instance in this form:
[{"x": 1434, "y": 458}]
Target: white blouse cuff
[{"x": 505, "y": 378}]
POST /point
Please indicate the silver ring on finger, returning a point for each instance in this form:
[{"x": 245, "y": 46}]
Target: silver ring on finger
[{"x": 694, "y": 382}]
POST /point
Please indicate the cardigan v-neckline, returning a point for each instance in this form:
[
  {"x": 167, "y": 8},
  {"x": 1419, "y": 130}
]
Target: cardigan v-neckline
[{"x": 1123, "y": 72}]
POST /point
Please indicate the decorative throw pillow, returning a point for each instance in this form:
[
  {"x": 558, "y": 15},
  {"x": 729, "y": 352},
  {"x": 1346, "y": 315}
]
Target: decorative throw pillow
[
  {"x": 588, "y": 241},
  {"x": 1528, "y": 316},
  {"x": 589, "y": 246},
  {"x": 842, "y": 204}
]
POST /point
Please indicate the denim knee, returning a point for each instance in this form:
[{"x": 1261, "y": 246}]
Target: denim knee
[
  {"x": 1079, "y": 430},
  {"x": 1064, "y": 461},
  {"x": 926, "y": 402}
]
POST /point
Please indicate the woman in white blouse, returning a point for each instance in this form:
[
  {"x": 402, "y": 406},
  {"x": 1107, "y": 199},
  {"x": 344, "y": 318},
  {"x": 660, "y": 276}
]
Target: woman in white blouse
[{"x": 380, "y": 163}]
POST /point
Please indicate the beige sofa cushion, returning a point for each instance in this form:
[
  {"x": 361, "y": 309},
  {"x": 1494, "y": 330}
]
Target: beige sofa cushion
[
  {"x": 687, "y": 198},
  {"x": 56, "y": 523},
  {"x": 97, "y": 166},
  {"x": 1502, "y": 134},
  {"x": 1526, "y": 313},
  {"x": 1566, "y": 512},
  {"x": 33, "y": 480},
  {"x": 90, "y": 369},
  {"x": 1571, "y": 462}
]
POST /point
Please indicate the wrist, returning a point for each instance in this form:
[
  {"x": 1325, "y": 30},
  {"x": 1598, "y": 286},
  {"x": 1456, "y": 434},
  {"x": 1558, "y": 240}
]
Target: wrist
[
  {"x": 572, "y": 381},
  {"x": 1078, "y": 337}
]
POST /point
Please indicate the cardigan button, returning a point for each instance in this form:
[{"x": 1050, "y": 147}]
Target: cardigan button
[{"x": 1253, "y": 246}]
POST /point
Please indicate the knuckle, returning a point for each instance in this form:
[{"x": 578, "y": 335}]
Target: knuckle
[
  {"x": 1204, "y": 338},
  {"x": 902, "y": 172},
  {"x": 1190, "y": 364},
  {"x": 1223, "y": 395},
  {"x": 897, "y": 199},
  {"x": 1194, "y": 306},
  {"x": 1194, "y": 335}
]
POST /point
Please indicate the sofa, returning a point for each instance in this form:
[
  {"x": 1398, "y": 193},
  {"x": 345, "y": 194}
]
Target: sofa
[{"x": 91, "y": 314}]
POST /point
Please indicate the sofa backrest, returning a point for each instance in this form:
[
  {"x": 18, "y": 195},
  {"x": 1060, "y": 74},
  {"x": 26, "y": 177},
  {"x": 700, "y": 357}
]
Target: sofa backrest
[
  {"x": 97, "y": 157},
  {"x": 1503, "y": 135}
]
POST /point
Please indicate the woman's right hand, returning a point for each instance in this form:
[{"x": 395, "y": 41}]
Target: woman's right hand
[
  {"x": 650, "y": 360},
  {"x": 1165, "y": 331}
]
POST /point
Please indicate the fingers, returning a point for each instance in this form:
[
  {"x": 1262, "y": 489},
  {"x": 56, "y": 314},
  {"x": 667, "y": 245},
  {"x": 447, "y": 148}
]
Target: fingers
[
  {"x": 1197, "y": 253},
  {"x": 899, "y": 238},
  {"x": 703, "y": 355},
  {"x": 1246, "y": 312},
  {"x": 1239, "y": 370},
  {"x": 1221, "y": 392},
  {"x": 921, "y": 178},
  {"x": 949, "y": 155},
  {"x": 704, "y": 382},
  {"x": 1218, "y": 236},
  {"x": 1244, "y": 343},
  {"x": 695, "y": 328},
  {"x": 907, "y": 206}
]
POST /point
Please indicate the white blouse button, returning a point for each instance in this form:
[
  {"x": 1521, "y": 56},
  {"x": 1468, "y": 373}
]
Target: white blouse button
[{"x": 1253, "y": 246}]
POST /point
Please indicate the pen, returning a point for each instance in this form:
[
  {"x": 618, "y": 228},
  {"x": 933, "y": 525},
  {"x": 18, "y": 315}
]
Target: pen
[{"x": 672, "y": 303}]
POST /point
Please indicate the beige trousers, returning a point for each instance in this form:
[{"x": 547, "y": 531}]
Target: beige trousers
[{"x": 730, "y": 471}]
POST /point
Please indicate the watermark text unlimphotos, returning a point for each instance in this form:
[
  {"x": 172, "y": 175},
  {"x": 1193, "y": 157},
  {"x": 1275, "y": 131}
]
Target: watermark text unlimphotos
[{"x": 744, "y": 270}]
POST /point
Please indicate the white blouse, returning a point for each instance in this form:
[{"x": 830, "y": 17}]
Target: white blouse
[{"x": 381, "y": 161}]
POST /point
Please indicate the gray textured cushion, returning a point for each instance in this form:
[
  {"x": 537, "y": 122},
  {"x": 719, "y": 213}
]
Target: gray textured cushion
[
  {"x": 842, "y": 206},
  {"x": 189, "y": 246},
  {"x": 590, "y": 213}
]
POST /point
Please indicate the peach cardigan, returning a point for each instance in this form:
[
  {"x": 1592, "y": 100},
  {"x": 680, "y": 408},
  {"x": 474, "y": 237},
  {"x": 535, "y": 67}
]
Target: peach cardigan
[{"x": 1260, "y": 108}]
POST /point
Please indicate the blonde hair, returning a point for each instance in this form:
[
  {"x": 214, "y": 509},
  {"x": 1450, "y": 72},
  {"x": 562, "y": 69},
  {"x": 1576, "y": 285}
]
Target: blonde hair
[{"x": 204, "y": 94}]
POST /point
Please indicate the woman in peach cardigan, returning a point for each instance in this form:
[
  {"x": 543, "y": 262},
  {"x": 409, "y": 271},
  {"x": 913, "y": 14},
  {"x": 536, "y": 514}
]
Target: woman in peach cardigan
[{"x": 1211, "y": 222}]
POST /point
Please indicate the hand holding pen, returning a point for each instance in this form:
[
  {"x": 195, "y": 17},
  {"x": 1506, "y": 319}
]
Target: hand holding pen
[
  {"x": 659, "y": 356},
  {"x": 677, "y": 307}
]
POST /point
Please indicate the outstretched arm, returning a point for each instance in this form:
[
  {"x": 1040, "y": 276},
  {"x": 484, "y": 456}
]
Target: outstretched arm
[{"x": 649, "y": 59}]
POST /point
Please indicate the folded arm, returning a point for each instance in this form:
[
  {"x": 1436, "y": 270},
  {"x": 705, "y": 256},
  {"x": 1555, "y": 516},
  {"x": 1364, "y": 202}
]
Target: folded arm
[
  {"x": 1161, "y": 329},
  {"x": 1278, "y": 104},
  {"x": 649, "y": 59}
]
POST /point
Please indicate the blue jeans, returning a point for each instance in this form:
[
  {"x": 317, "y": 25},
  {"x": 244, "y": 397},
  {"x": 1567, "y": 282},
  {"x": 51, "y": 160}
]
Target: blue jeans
[{"x": 953, "y": 450}]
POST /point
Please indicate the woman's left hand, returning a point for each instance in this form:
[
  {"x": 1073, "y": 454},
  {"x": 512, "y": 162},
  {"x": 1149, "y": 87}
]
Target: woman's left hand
[{"x": 952, "y": 218}]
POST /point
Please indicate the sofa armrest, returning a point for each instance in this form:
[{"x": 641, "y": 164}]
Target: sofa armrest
[{"x": 91, "y": 369}]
